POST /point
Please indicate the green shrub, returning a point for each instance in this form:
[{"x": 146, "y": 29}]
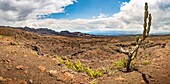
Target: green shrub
[
  {"x": 78, "y": 67},
  {"x": 92, "y": 82},
  {"x": 57, "y": 58},
  {"x": 147, "y": 55},
  {"x": 120, "y": 64},
  {"x": 97, "y": 73},
  {"x": 93, "y": 73},
  {"x": 105, "y": 70},
  {"x": 61, "y": 60},
  {"x": 90, "y": 72},
  {"x": 69, "y": 64},
  {"x": 146, "y": 62}
]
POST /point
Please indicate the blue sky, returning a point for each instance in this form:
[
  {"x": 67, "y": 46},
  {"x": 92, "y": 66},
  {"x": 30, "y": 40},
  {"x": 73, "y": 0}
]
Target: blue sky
[
  {"x": 88, "y": 9},
  {"x": 85, "y": 15}
]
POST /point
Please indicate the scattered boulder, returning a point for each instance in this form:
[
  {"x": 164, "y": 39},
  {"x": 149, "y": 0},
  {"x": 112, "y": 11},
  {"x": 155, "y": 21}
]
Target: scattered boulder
[
  {"x": 52, "y": 72},
  {"x": 22, "y": 82},
  {"x": 7, "y": 61},
  {"x": 1, "y": 43},
  {"x": 42, "y": 68},
  {"x": 19, "y": 67},
  {"x": 142, "y": 82},
  {"x": 163, "y": 45},
  {"x": 30, "y": 81},
  {"x": 13, "y": 43},
  {"x": 35, "y": 48},
  {"x": 1, "y": 79},
  {"x": 120, "y": 78},
  {"x": 66, "y": 76}
]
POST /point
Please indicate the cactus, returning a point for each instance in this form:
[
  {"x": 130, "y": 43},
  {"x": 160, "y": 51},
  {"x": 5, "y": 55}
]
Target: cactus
[
  {"x": 146, "y": 30},
  {"x": 145, "y": 25}
]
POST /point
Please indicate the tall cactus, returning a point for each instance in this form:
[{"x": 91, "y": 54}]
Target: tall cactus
[{"x": 146, "y": 26}]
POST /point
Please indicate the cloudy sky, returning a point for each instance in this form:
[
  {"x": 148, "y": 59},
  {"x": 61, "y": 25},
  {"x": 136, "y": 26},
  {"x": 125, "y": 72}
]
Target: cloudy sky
[{"x": 85, "y": 15}]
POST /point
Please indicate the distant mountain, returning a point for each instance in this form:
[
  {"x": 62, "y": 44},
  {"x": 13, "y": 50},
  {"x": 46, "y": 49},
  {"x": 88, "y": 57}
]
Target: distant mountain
[
  {"x": 115, "y": 33},
  {"x": 125, "y": 33},
  {"x": 40, "y": 30},
  {"x": 52, "y": 32},
  {"x": 80, "y": 34}
]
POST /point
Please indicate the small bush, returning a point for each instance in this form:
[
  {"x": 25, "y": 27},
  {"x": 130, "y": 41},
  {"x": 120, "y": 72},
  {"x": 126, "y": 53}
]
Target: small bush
[
  {"x": 61, "y": 60},
  {"x": 146, "y": 62},
  {"x": 105, "y": 70},
  {"x": 93, "y": 73},
  {"x": 78, "y": 67},
  {"x": 120, "y": 64},
  {"x": 133, "y": 65},
  {"x": 69, "y": 64},
  {"x": 57, "y": 58},
  {"x": 97, "y": 73},
  {"x": 92, "y": 82},
  {"x": 90, "y": 72},
  {"x": 147, "y": 55}
]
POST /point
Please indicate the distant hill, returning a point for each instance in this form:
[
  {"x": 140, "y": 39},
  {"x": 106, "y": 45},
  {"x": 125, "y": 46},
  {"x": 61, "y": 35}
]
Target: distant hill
[
  {"x": 52, "y": 32},
  {"x": 80, "y": 34}
]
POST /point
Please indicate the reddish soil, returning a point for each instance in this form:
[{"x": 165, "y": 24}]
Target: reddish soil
[{"x": 29, "y": 58}]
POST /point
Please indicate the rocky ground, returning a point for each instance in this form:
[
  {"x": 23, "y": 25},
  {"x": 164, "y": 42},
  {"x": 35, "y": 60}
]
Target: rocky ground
[{"x": 29, "y": 58}]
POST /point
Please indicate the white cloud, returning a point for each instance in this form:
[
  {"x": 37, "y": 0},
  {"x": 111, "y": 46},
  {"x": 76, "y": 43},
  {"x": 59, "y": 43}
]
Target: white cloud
[
  {"x": 14, "y": 10},
  {"x": 102, "y": 15},
  {"x": 130, "y": 16}
]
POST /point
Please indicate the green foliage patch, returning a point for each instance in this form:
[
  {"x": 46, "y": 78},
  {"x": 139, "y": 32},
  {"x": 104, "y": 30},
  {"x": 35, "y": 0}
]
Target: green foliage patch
[
  {"x": 77, "y": 66},
  {"x": 120, "y": 64},
  {"x": 146, "y": 62}
]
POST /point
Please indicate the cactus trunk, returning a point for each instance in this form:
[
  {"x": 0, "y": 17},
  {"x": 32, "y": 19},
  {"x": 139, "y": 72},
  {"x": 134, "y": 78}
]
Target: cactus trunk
[{"x": 146, "y": 26}]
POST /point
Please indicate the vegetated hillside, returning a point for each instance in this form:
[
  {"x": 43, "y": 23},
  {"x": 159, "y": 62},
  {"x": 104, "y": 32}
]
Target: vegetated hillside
[{"x": 27, "y": 57}]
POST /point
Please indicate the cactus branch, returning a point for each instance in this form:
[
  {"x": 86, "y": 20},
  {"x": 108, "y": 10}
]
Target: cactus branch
[
  {"x": 126, "y": 52},
  {"x": 149, "y": 24}
]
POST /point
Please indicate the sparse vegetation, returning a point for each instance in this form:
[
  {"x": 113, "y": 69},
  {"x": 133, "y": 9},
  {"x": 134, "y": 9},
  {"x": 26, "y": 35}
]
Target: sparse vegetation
[
  {"x": 133, "y": 65},
  {"x": 93, "y": 73},
  {"x": 120, "y": 64},
  {"x": 60, "y": 59},
  {"x": 79, "y": 68},
  {"x": 90, "y": 72},
  {"x": 152, "y": 65},
  {"x": 92, "y": 82},
  {"x": 98, "y": 73},
  {"x": 105, "y": 70},
  {"x": 69, "y": 64},
  {"x": 146, "y": 62},
  {"x": 146, "y": 55}
]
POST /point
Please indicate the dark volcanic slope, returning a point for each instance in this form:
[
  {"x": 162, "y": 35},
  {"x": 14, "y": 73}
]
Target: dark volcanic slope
[{"x": 24, "y": 53}]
